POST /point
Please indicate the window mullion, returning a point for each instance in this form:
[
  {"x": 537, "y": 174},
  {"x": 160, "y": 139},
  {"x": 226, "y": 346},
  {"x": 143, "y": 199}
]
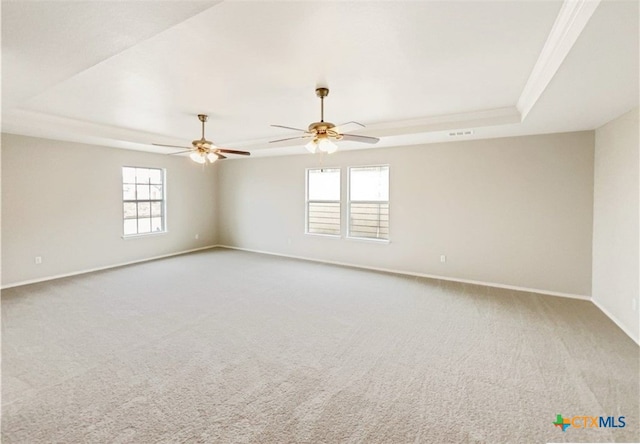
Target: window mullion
[{"x": 139, "y": 180}]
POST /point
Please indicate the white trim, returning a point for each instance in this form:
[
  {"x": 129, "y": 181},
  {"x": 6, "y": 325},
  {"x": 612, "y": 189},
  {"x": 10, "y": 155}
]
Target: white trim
[
  {"x": 91, "y": 270},
  {"x": 447, "y": 278},
  {"x": 570, "y": 22},
  {"x": 412, "y": 273},
  {"x": 348, "y": 235},
  {"x": 52, "y": 127},
  {"x": 446, "y": 122},
  {"x": 140, "y": 235},
  {"x": 307, "y": 200},
  {"x": 346, "y": 264},
  {"x": 330, "y": 236},
  {"x": 616, "y": 321},
  {"x": 136, "y": 235},
  {"x": 368, "y": 239}
]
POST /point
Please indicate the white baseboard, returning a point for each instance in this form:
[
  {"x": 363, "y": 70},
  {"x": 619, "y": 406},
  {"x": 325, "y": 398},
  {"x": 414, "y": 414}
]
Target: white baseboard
[
  {"x": 346, "y": 264},
  {"x": 90, "y": 270},
  {"x": 446, "y": 278},
  {"x": 616, "y": 321},
  {"x": 411, "y": 273}
]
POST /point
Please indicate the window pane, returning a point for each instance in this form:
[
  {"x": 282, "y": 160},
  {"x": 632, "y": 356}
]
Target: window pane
[
  {"x": 143, "y": 200},
  {"x": 156, "y": 208},
  {"x": 370, "y": 220},
  {"x": 129, "y": 210},
  {"x": 156, "y": 224},
  {"x": 144, "y": 225},
  {"x": 128, "y": 192},
  {"x": 324, "y": 184},
  {"x": 323, "y": 218},
  {"x": 156, "y": 192},
  {"x": 144, "y": 209},
  {"x": 130, "y": 226},
  {"x": 128, "y": 175},
  {"x": 143, "y": 192},
  {"x": 155, "y": 176},
  {"x": 142, "y": 175},
  {"x": 369, "y": 183}
]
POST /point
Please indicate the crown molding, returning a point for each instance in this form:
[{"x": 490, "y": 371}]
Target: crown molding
[
  {"x": 473, "y": 119},
  {"x": 430, "y": 124},
  {"x": 48, "y": 126},
  {"x": 570, "y": 22}
]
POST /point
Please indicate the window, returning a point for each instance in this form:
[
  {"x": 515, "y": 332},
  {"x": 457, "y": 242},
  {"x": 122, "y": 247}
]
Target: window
[
  {"x": 323, "y": 201},
  {"x": 143, "y": 200},
  {"x": 369, "y": 202}
]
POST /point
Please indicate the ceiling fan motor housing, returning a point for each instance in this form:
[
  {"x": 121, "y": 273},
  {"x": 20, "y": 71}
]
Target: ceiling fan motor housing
[
  {"x": 321, "y": 127},
  {"x": 202, "y": 143},
  {"x": 324, "y": 129}
]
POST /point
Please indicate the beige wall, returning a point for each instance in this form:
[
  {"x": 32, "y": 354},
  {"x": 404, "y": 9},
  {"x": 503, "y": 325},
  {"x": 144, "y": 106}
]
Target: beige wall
[
  {"x": 513, "y": 211},
  {"x": 63, "y": 201},
  {"x": 615, "y": 221}
]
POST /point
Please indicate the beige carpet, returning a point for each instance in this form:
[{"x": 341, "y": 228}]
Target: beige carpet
[{"x": 226, "y": 346}]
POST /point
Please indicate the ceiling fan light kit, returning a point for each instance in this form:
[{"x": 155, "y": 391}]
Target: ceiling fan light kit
[
  {"x": 323, "y": 144},
  {"x": 197, "y": 157},
  {"x": 323, "y": 134},
  {"x": 203, "y": 150},
  {"x": 202, "y": 157}
]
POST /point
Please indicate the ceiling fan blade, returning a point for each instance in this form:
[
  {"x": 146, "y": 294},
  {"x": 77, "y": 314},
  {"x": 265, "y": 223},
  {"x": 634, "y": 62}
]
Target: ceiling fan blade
[
  {"x": 181, "y": 152},
  {"x": 220, "y": 156},
  {"x": 348, "y": 126},
  {"x": 290, "y": 138},
  {"x": 171, "y": 146},
  {"x": 291, "y": 128},
  {"x": 355, "y": 138},
  {"x": 224, "y": 150}
]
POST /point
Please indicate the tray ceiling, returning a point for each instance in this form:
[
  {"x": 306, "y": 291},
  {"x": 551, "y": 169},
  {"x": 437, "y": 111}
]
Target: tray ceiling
[{"x": 126, "y": 74}]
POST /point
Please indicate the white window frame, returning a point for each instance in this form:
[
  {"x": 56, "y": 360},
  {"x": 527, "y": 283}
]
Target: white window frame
[
  {"x": 164, "y": 230},
  {"x": 348, "y": 200},
  {"x": 307, "y": 202}
]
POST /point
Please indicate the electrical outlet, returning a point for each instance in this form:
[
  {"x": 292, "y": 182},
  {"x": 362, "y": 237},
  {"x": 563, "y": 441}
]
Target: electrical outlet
[
  {"x": 197, "y": 236},
  {"x": 38, "y": 260},
  {"x": 443, "y": 258}
]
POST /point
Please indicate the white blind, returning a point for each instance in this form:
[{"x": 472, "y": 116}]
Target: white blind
[
  {"x": 323, "y": 201},
  {"x": 369, "y": 202}
]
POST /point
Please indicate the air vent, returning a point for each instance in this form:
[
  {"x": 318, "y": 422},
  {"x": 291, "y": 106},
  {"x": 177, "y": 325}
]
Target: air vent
[{"x": 460, "y": 133}]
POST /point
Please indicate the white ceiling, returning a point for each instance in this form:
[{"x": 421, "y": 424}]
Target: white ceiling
[{"x": 126, "y": 74}]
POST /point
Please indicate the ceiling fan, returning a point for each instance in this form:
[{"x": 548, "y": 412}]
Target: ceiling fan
[
  {"x": 322, "y": 134},
  {"x": 204, "y": 149}
]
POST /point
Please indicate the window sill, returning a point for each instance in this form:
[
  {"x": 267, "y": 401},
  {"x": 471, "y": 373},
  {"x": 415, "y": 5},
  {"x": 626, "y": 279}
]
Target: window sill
[
  {"x": 138, "y": 236},
  {"x": 330, "y": 236},
  {"x": 368, "y": 239}
]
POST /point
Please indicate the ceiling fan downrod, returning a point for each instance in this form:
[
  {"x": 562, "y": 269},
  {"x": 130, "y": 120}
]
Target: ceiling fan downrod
[
  {"x": 203, "y": 118},
  {"x": 322, "y": 93}
]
